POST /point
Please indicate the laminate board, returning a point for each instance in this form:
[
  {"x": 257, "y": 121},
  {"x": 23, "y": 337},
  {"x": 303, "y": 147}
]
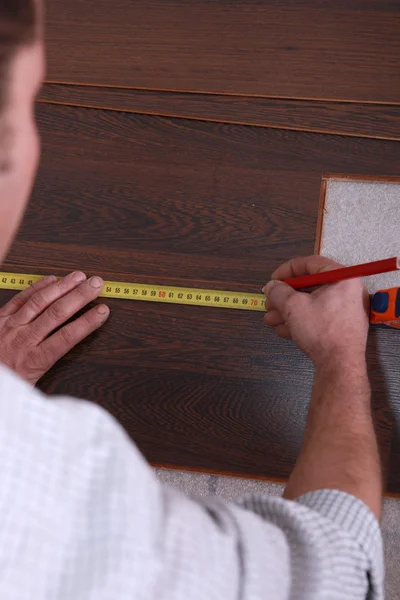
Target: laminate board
[
  {"x": 343, "y": 118},
  {"x": 140, "y": 198},
  {"x": 346, "y": 50}
]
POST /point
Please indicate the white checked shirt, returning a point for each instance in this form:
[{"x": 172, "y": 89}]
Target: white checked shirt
[{"x": 83, "y": 517}]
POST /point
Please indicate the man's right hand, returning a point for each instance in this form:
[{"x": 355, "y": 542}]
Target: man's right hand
[{"x": 331, "y": 323}]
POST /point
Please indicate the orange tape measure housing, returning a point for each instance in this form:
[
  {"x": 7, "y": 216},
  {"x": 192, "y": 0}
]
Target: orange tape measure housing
[{"x": 385, "y": 308}]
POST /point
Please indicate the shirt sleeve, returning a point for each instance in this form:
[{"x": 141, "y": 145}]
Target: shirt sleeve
[{"x": 84, "y": 517}]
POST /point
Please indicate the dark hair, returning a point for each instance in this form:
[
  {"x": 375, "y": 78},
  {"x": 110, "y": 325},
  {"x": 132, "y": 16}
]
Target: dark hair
[
  {"x": 17, "y": 23},
  {"x": 17, "y": 28}
]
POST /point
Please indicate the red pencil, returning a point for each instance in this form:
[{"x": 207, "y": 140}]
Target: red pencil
[{"x": 372, "y": 268}]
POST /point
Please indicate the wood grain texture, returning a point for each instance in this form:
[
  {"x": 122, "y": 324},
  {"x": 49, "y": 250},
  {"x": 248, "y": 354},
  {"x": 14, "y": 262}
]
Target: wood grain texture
[
  {"x": 321, "y": 212},
  {"x": 346, "y": 50},
  {"x": 343, "y": 118},
  {"x": 356, "y": 177},
  {"x": 134, "y": 197}
]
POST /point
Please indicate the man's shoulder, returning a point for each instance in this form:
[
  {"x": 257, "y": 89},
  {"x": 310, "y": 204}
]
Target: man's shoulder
[
  {"x": 17, "y": 394},
  {"x": 10, "y": 382},
  {"x": 20, "y": 402}
]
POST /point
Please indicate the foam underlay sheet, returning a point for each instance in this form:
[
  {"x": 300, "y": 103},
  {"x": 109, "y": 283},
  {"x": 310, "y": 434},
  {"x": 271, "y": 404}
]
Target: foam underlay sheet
[{"x": 361, "y": 223}]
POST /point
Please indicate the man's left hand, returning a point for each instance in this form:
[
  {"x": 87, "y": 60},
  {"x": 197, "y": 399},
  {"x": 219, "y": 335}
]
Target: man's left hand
[{"x": 27, "y": 342}]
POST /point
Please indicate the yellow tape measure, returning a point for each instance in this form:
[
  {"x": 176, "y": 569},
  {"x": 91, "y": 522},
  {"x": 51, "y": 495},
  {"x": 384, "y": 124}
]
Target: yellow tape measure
[{"x": 155, "y": 293}]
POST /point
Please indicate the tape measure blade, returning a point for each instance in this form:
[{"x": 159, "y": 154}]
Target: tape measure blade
[
  {"x": 18, "y": 281},
  {"x": 183, "y": 295},
  {"x": 155, "y": 293}
]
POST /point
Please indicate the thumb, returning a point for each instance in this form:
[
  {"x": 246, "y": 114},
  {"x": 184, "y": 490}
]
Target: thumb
[{"x": 277, "y": 294}]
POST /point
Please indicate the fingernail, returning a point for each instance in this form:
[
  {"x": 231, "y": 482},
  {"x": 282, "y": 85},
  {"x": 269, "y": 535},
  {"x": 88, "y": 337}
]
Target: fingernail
[
  {"x": 96, "y": 282},
  {"x": 50, "y": 278},
  {"x": 78, "y": 276},
  {"x": 102, "y": 309}
]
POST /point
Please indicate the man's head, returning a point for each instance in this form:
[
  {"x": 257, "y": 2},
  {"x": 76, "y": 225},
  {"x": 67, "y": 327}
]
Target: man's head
[{"x": 21, "y": 74}]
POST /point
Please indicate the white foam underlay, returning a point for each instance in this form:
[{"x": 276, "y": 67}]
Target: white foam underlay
[{"x": 362, "y": 223}]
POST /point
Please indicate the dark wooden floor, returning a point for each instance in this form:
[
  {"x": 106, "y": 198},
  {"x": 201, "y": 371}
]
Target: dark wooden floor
[
  {"x": 342, "y": 50},
  {"x": 211, "y": 190}
]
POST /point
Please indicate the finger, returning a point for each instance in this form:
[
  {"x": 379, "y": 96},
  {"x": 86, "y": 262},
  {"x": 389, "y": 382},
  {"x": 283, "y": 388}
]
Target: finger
[
  {"x": 66, "y": 307},
  {"x": 283, "y": 331},
  {"x": 304, "y": 265},
  {"x": 61, "y": 342},
  {"x": 278, "y": 295},
  {"x": 20, "y": 299},
  {"x": 273, "y": 318},
  {"x": 42, "y": 299}
]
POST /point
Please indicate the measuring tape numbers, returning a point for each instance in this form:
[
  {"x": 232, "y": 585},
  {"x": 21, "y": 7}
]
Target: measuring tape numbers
[{"x": 155, "y": 293}]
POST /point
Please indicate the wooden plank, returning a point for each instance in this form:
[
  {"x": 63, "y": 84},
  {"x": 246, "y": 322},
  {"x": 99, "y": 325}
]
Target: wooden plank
[
  {"x": 342, "y": 118},
  {"x": 346, "y": 50},
  {"x": 156, "y": 199}
]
